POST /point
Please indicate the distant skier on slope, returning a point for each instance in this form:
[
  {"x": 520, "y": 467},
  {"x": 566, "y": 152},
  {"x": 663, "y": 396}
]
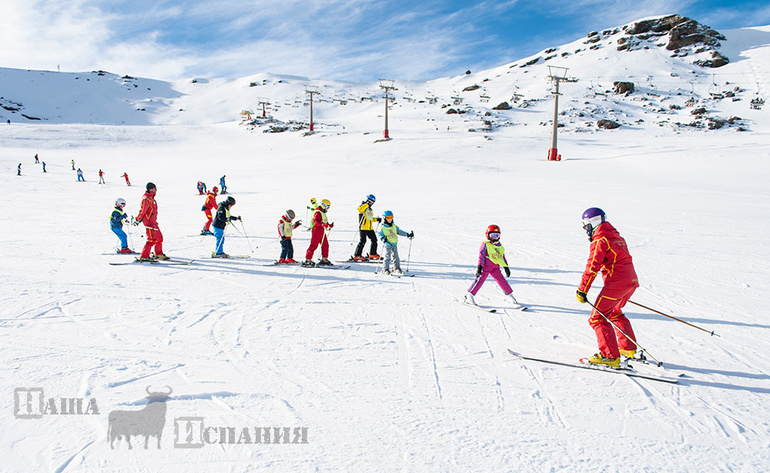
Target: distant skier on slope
[
  {"x": 609, "y": 253},
  {"x": 116, "y": 224},
  {"x": 318, "y": 236},
  {"x": 389, "y": 233},
  {"x": 101, "y": 177},
  {"x": 148, "y": 215},
  {"x": 285, "y": 229},
  {"x": 222, "y": 218},
  {"x": 18, "y": 170},
  {"x": 491, "y": 259},
  {"x": 125, "y": 175},
  {"x": 80, "y": 175},
  {"x": 201, "y": 188},
  {"x": 209, "y": 206},
  {"x": 223, "y": 185},
  {"x": 366, "y": 230}
]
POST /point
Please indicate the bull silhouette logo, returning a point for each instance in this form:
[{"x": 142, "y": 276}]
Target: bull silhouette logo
[{"x": 148, "y": 422}]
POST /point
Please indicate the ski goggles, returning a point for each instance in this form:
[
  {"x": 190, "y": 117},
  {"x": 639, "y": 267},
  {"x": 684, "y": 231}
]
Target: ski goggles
[{"x": 494, "y": 236}]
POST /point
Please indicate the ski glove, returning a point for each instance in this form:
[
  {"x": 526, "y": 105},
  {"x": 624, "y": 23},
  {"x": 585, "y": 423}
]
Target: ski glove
[
  {"x": 507, "y": 271},
  {"x": 410, "y": 235},
  {"x": 582, "y": 297},
  {"x": 478, "y": 270},
  {"x": 203, "y": 208}
]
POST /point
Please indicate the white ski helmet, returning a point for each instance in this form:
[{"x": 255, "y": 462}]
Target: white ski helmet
[{"x": 120, "y": 202}]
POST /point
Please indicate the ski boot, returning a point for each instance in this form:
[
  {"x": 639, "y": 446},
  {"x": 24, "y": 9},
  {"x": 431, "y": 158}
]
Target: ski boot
[
  {"x": 290, "y": 261},
  {"x": 161, "y": 257},
  {"x": 125, "y": 250},
  {"x": 373, "y": 257},
  {"x": 469, "y": 299},
  {"x": 220, "y": 255},
  {"x": 308, "y": 263},
  {"x": 598, "y": 359},
  {"x": 386, "y": 272},
  {"x": 283, "y": 261},
  {"x": 398, "y": 272},
  {"x": 325, "y": 262},
  {"x": 359, "y": 258}
]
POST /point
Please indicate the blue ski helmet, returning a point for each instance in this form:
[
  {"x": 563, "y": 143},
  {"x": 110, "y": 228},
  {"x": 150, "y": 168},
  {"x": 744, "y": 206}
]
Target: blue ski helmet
[
  {"x": 592, "y": 218},
  {"x": 371, "y": 197},
  {"x": 387, "y": 214}
]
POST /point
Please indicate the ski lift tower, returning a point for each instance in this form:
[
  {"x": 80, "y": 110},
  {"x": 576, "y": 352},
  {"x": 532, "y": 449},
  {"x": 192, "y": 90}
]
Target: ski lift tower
[
  {"x": 387, "y": 85},
  {"x": 311, "y": 90},
  {"x": 556, "y": 74},
  {"x": 263, "y": 102}
]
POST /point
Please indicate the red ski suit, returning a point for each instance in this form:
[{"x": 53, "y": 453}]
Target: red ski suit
[
  {"x": 208, "y": 206},
  {"x": 318, "y": 235},
  {"x": 148, "y": 215},
  {"x": 609, "y": 253}
]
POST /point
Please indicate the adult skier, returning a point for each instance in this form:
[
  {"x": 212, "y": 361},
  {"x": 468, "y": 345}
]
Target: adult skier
[
  {"x": 116, "y": 224},
  {"x": 222, "y": 218},
  {"x": 80, "y": 175},
  {"x": 208, "y": 207},
  {"x": 491, "y": 259},
  {"x": 285, "y": 229},
  {"x": 222, "y": 183},
  {"x": 201, "y": 188},
  {"x": 18, "y": 170},
  {"x": 125, "y": 175},
  {"x": 366, "y": 230},
  {"x": 609, "y": 254},
  {"x": 389, "y": 233},
  {"x": 101, "y": 177},
  {"x": 318, "y": 235},
  {"x": 148, "y": 215}
]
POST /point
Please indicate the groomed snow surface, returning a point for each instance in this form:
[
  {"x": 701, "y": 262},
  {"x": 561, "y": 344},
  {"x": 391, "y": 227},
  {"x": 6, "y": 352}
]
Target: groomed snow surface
[{"x": 385, "y": 374}]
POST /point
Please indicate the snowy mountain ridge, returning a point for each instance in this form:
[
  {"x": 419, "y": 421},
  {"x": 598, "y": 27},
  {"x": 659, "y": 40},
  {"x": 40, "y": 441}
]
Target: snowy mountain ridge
[{"x": 672, "y": 64}]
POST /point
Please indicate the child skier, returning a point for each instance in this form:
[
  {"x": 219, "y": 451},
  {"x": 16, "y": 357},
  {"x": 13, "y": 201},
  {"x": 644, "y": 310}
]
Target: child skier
[
  {"x": 366, "y": 230},
  {"x": 491, "y": 259},
  {"x": 208, "y": 207},
  {"x": 201, "y": 188},
  {"x": 116, "y": 225},
  {"x": 389, "y": 233},
  {"x": 125, "y": 175},
  {"x": 223, "y": 218},
  {"x": 318, "y": 236},
  {"x": 285, "y": 228}
]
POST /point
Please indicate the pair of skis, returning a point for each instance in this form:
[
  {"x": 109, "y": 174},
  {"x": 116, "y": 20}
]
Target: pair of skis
[
  {"x": 627, "y": 368},
  {"x": 493, "y": 310},
  {"x": 159, "y": 262}
]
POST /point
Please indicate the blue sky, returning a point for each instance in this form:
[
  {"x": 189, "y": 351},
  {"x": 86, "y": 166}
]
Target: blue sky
[{"x": 357, "y": 40}]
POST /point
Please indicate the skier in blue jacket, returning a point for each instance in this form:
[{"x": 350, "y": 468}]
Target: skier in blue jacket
[{"x": 116, "y": 224}]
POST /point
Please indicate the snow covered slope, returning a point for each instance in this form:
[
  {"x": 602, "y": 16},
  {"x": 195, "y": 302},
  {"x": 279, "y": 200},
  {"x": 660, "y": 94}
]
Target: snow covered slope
[{"x": 373, "y": 373}]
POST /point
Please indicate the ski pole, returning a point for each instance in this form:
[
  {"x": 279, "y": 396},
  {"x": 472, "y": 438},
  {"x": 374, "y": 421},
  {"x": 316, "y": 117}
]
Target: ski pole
[
  {"x": 247, "y": 237},
  {"x": 673, "y": 318},
  {"x": 409, "y": 255},
  {"x": 624, "y": 333}
]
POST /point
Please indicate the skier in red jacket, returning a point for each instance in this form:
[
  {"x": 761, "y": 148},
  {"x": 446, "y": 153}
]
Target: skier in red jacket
[
  {"x": 319, "y": 225},
  {"x": 609, "y": 254},
  {"x": 148, "y": 215},
  {"x": 208, "y": 207}
]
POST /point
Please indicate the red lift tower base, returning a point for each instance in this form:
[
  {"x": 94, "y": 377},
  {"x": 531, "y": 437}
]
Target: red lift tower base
[{"x": 553, "y": 155}]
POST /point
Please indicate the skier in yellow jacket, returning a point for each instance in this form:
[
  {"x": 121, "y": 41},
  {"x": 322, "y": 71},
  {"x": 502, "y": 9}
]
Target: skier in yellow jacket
[{"x": 366, "y": 229}]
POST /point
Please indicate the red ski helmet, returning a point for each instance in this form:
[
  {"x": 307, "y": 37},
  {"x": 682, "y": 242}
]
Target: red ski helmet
[
  {"x": 491, "y": 231},
  {"x": 215, "y": 189}
]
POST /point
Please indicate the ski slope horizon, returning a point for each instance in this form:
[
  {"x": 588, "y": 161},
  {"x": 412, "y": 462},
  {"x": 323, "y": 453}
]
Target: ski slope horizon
[{"x": 386, "y": 374}]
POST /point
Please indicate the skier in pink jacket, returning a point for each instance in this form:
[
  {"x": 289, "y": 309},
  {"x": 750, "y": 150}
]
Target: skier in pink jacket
[{"x": 491, "y": 259}]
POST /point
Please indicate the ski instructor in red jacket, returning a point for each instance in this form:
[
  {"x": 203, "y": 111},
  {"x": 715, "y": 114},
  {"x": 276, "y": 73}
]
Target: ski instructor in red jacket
[
  {"x": 148, "y": 215},
  {"x": 609, "y": 254}
]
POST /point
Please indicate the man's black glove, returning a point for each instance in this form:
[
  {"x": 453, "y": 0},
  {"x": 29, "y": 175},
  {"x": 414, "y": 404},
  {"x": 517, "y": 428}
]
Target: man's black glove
[
  {"x": 478, "y": 270},
  {"x": 507, "y": 271}
]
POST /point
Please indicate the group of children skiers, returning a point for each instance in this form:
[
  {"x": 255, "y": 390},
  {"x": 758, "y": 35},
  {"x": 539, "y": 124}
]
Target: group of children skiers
[{"x": 608, "y": 254}]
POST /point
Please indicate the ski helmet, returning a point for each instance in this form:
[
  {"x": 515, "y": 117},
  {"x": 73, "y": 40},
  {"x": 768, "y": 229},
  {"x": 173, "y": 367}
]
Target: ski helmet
[
  {"x": 290, "y": 213},
  {"x": 230, "y": 201},
  {"x": 150, "y": 185},
  {"x": 215, "y": 189},
  {"x": 387, "y": 214},
  {"x": 325, "y": 203},
  {"x": 371, "y": 197},
  {"x": 121, "y": 202},
  {"x": 493, "y": 232},
  {"x": 592, "y": 218}
]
